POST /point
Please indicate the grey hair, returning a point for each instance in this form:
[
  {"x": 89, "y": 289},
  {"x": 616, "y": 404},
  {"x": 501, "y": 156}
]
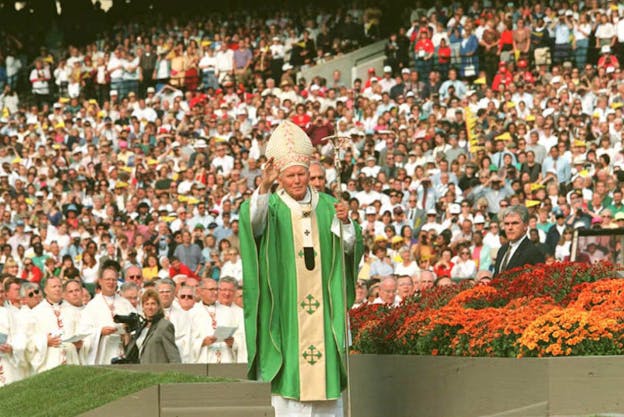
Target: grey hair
[
  {"x": 166, "y": 281},
  {"x": 231, "y": 280},
  {"x": 521, "y": 211},
  {"x": 193, "y": 292},
  {"x": 203, "y": 281},
  {"x": 126, "y": 286},
  {"x": 426, "y": 271},
  {"x": 317, "y": 163},
  {"x": 26, "y": 287}
]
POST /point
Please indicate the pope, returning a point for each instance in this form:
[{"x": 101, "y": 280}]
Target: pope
[{"x": 295, "y": 271}]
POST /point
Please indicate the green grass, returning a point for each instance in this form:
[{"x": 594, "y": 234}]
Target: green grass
[{"x": 70, "y": 390}]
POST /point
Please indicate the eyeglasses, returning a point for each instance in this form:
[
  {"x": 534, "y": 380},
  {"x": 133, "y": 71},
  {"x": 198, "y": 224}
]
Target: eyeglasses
[
  {"x": 134, "y": 276},
  {"x": 33, "y": 293},
  {"x": 465, "y": 253},
  {"x": 186, "y": 297}
]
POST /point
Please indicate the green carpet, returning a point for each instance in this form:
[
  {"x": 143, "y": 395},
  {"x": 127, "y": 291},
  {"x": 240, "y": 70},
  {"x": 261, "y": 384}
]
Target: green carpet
[{"x": 70, "y": 390}]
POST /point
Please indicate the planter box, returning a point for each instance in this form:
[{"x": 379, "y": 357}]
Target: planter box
[
  {"x": 223, "y": 399},
  {"x": 435, "y": 386},
  {"x": 406, "y": 386}
]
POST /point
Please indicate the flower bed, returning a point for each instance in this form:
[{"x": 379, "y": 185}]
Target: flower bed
[{"x": 546, "y": 310}]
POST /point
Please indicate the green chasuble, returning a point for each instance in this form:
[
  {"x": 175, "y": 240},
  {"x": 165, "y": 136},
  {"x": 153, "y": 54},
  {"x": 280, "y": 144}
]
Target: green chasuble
[{"x": 294, "y": 316}]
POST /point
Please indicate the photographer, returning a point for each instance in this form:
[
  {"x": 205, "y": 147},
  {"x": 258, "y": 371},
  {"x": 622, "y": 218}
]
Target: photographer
[{"x": 155, "y": 340}]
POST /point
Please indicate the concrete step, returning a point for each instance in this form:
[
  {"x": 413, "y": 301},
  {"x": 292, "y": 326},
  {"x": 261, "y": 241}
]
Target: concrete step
[{"x": 259, "y": 411}]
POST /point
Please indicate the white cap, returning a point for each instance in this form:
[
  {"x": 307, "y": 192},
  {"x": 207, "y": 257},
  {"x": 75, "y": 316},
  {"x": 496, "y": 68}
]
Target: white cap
[
  {"x": 454, "y": 209},
  {"x": 370, "y": 210},
  {"x": 478, "y": 219},
  {"x": 286, "y": 67},
  {"x": 114, "y": 93},
  {"x": 406, "y": 71},
  {"x": 387, "y": 68}
]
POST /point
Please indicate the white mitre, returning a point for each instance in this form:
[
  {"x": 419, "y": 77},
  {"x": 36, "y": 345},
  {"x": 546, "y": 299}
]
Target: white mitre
[{"x": 289, "y": 145}]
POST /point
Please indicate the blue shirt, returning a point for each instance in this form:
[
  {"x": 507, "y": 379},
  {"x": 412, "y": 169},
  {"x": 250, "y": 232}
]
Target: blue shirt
[{"x": 562, "y": 34}]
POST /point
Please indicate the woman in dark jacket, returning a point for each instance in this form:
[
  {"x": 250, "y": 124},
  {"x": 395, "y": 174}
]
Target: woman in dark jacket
[{"x": 156, "y": 340}]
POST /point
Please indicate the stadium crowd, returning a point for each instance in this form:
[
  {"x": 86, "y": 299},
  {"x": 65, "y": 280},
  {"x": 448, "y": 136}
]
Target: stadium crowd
[{"x": 124, "y": 164}]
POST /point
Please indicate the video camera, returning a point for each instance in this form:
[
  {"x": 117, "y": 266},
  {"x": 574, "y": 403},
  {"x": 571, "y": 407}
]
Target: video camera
[{"x": 134, "y": 323}]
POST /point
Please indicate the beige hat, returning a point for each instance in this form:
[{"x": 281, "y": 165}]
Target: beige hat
[{"x": 289, "y": 145}]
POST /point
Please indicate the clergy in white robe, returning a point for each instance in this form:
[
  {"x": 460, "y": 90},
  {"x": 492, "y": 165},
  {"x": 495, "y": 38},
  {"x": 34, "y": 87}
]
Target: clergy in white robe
[
  {"x": 72, "y": 304},
  {"x": 228, "y": 287},
  {"x": 54, "y": 324},
  {"x": 207, "y": 316},
  {"x": 25, "y": 321},
  {"x": 105, "y": 336},
  {"x": 180, "y": 319},
  {"x": 9, "y": 356}
]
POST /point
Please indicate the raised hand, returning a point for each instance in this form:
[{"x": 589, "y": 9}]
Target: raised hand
[
  {"x": 342, "y": 211},
  {"x": 269, "y": 175}
]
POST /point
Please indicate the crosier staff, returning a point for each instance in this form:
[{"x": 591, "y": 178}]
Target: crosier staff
[{"x": 343, "y": 143}]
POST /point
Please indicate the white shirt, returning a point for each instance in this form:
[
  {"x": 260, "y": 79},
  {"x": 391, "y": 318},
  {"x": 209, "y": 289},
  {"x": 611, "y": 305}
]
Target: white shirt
[
  {"x": 208, "y": 63},
  {"x": 234, "y": 270},
  {"x": 13, "y": 65},
  {"x": 226, "y": 163},
  {"x": 410, "y": 270},
  {"x": 115, "y": 67},
  {"x": 464, "y": 270},
  {"x": 225, "y": 60},
  {"x": 605, "y": 31},
  {"x": 39, "y": 80}
]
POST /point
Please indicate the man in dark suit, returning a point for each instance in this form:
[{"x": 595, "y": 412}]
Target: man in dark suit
[{"x": 519, "y": 250}]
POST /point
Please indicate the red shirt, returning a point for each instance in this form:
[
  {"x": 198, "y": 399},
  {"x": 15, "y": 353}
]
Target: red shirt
[
  {"x": 441, "y": 271},
  {"x": 301, "y": 120},
  {"x": 182, "y": 269},
  {"x": 424, "y": 45},
  {"x": 34, "y": 275},
  {"x": 502, "y": 78},
  {"x": 444, "y": 55},
  {"x": 506, "y": 38},
  {"x": 608, "y": 61}
]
